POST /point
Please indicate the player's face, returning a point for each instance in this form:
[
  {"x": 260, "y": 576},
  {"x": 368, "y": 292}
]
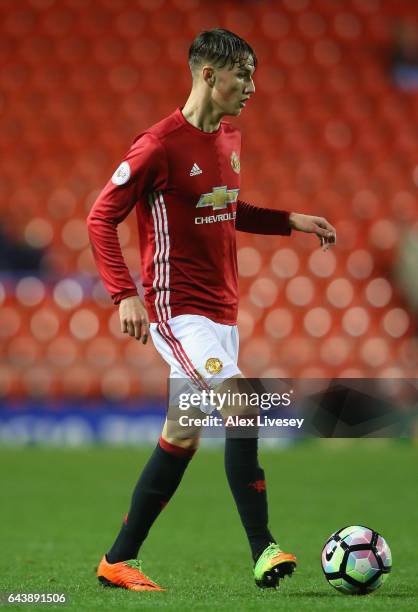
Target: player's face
[{"x": 233, "y": 87}]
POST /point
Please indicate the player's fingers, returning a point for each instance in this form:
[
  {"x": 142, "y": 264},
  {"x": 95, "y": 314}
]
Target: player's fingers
[
  {"x": 324, "y": 224},
  {"x": 325, "y": 231},
  {"x": 137, "y": 328},
  {"x": 145, "y": 331},
  {"x": 327, "y": 242},
  {"x": 124, "y": 326},
  {"x": 130, "y": 328},
  {"x": 322, "y": 232}
]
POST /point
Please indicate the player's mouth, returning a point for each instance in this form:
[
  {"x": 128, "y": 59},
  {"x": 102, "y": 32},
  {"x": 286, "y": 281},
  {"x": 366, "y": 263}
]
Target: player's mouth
[{"x": 242, "y": 102}]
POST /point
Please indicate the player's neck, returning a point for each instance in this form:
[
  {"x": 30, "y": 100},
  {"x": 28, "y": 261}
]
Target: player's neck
[{"x": 201, "y": 114}]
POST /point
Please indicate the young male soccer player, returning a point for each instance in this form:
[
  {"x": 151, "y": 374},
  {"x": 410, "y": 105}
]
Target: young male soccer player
[{"x": 182, "y": 175}]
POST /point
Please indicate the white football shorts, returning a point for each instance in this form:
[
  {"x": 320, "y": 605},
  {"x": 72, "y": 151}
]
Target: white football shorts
[{"x": 199, "y": 351}]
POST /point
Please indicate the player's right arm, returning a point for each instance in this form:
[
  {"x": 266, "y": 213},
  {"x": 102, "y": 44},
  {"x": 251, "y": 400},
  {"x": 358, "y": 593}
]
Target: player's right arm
[{"x": 141, "y": 172}]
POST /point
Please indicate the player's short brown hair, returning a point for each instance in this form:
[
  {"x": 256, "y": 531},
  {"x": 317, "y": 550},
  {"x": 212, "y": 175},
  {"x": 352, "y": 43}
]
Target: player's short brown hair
[{"x": 220, "y": 47}]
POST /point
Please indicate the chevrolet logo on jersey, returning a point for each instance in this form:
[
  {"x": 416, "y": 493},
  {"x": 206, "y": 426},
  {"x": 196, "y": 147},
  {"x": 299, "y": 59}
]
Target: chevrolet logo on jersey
[{"x": 219, "y": 198}]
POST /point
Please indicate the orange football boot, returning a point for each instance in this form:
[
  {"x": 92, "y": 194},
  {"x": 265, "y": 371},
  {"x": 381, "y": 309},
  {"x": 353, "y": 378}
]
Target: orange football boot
[{"x": 125, "y": 575}]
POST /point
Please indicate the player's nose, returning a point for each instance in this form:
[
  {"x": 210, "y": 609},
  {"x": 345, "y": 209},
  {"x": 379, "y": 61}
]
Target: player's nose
[{"x": 250, "y": 88}]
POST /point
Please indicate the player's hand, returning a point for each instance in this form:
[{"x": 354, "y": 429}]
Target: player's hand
[
  {"x": 134, "y": 318},
  {"x": 314, "y": 225}
]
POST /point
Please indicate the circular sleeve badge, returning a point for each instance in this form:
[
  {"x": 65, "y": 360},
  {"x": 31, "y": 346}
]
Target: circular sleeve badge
[{"x": 122, "y": 174}]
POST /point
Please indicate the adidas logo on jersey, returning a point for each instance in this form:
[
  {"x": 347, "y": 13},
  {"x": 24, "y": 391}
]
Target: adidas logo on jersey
[{"x": 195, "y": 170}]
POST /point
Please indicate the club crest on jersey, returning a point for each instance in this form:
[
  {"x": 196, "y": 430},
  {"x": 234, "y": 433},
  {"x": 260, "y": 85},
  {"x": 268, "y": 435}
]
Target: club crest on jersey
[
  {"x": 214, "y": 365},
  {"x": 235, "y": 163},
  {"x": 122, "y": 174},
  {"x": 219, "y": 198}
]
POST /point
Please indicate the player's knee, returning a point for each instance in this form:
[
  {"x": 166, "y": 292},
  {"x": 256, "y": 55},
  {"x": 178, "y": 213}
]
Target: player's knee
[
  {"x": 190, "y": 444},
  {"x": 237, "y": 392}
]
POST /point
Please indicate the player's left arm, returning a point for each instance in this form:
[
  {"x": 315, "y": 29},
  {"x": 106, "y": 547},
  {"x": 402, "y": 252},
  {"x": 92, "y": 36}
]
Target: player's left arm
[
  {"x": 269, "y": 221},
  {"x": 256, "y": 220}
]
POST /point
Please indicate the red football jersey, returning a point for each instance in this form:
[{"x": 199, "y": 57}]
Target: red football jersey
[{"x": 184, "y": 184}]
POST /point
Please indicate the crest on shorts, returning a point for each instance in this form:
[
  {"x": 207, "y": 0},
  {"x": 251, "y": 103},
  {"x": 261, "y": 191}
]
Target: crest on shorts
[
  {"x": 214, "y": 365},
  {"x": 235, "y": 163}
]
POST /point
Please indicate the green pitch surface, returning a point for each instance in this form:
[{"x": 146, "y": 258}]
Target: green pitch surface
[{"x": 60, "y": 510}]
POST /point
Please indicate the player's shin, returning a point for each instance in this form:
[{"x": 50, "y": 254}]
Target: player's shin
[
  {"x": 247, "y": 482},
  {"x": 159, "y": 480}
]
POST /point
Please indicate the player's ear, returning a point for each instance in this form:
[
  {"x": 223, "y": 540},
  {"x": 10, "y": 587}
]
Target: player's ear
[{"x": 208, "y": 74}]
